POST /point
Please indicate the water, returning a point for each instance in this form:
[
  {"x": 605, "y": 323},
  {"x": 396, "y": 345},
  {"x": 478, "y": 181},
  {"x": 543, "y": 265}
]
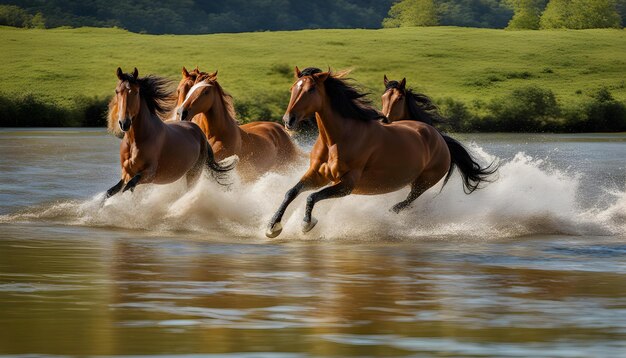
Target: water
[{"x": 533, "y": 265}]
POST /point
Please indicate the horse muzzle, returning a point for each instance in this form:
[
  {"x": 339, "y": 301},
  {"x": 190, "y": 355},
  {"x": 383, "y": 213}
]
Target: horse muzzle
[
  {"x": 125, "y": 124},
  {"x": 290, "y": 120}
]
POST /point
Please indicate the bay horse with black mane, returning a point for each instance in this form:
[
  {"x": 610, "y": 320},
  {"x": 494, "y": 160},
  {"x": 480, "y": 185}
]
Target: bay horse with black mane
[
  {"x": 153, "y": 151},
  {"x": 261, "y": 146},
  {"x": 357, "y": 154}
]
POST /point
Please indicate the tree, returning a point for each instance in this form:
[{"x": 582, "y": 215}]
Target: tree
[
  {"x": 474, "y": 13},
  {"x": 412, "y": 13},
  {"x": 527, "y": 14},
  {"x": 38, "y": 21},
  {"x": 580, "y": 14},
  {"x": 15, "y": 16}
]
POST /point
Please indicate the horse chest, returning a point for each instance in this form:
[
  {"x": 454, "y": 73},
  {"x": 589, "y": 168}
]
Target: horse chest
[
  {"x": 132, "y": 160},
  {"x": 334, "y": 167}
]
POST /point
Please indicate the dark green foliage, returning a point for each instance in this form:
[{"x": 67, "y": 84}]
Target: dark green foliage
[
  {"x": 527, "y": 109},
  {"x": 458, "y": 117},
  {"x": 602, "y": 113},
  {"x": 30, "y": 111},
  {"x": 11, "y": 15},
  {"x": 474, "y": 13},
  {"x": 194, "y": 16}
]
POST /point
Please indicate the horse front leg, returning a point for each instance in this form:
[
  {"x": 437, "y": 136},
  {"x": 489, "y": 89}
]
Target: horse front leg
[
  {"x": 143, "y": 177},
  {"x": 310, "y": 180},
  {"x": 114, "y": 189},
  {"x": 341, "y": 189}
]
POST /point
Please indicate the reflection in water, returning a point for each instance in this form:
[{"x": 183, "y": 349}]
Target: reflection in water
[
  {"x": 190, "y": 276},
  {"x": 105, "y": 293}
]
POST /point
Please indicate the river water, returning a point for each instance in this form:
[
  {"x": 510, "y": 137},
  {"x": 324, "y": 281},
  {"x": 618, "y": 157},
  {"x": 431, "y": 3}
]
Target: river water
[{"x": 534, "y": 264}]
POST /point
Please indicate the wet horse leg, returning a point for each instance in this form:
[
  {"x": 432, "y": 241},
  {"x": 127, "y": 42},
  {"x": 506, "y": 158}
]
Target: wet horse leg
[
  {"x": 416, "y": 190},
  {"x": 424, "y": 182},
  {"x": 132, "y": 183},
  {"x": 341, "y": 189},
  {"x": 115, "y": 189},
  {"x": 310, "y": 180}
]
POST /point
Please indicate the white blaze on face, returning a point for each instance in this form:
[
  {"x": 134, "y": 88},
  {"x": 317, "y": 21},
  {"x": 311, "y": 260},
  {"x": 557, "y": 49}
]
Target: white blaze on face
[
  {"x": 193, "y": 89},
  {"x": 121, "y": 114},
  {"x": 299, "y": 84}
]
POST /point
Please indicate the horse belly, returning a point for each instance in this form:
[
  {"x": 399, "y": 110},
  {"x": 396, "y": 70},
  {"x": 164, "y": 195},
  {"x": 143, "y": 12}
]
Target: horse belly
[
  {"x": 375, "y": 182},
  {"x": 176, "y": 161}
]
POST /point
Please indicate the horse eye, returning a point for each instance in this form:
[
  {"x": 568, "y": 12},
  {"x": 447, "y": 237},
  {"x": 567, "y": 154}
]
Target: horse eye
[{"x": 312, "y": 89}]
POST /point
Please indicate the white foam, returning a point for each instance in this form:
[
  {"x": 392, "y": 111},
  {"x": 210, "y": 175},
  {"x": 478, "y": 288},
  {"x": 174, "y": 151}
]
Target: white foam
[{"x": 527, "y": 198}]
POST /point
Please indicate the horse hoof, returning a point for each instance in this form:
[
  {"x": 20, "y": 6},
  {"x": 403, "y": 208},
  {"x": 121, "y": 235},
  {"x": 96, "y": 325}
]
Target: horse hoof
[
  {"x": 274, "y": 230},
  {"x": 308, "y": 226}
]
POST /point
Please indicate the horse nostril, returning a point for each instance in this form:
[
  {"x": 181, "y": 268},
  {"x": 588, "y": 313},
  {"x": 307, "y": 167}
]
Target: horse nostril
[{"x": 184, "y": 116}]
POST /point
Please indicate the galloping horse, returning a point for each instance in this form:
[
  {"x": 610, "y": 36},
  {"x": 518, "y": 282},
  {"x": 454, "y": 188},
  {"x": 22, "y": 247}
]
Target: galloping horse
[
  {"x": 357, "y": 154},
  {"x": 260, "y": 146},
  {"x": 153, "y": 151}
]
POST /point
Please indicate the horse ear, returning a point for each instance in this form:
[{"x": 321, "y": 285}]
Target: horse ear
[
  {"x": 386, "y": 81},
  {"x": 403, "y": 84},
  {"x": 322, "y": 76},
  {"x": 120, "y": 73},
  {"x": 297, "y": 72},
  {"x": 136, "y": 73},
  {"x": 197, "y": 69},
  {"x": 213, "y": 75},
  {"x": 185, "y": 72}
]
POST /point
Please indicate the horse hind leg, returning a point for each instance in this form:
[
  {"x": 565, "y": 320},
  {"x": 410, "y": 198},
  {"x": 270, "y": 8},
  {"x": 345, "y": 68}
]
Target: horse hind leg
[{"x": 418, "y": 187}]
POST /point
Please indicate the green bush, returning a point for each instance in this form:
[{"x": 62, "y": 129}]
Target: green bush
[
  {"x": 265, "y": 106},
  {"x": 458, "y": 117},
  {"x": 527, "y": 109},
  {"x": 30, "y": 111},
  {"x": 602, "y": 113}
]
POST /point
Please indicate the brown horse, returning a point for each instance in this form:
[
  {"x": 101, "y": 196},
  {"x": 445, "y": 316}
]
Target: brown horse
[
  {"x": 357, "y": 154},
  {"x": 401, "y": 103},
  {"x": 153, "y": 151},
  {"x": 260, "y": 146},
  {"x": 186, "y": 82}
]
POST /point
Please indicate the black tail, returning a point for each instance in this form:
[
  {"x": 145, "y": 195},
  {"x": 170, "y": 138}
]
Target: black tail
[
  {"x": 218, "y": 170},
  {"x": 471, "y": 172}
]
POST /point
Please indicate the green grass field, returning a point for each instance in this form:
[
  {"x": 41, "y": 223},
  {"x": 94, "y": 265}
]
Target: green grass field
[{"x": 462, "y": 63}]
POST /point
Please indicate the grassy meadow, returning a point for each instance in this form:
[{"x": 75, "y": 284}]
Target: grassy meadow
[{"x": 475, "y": 69}]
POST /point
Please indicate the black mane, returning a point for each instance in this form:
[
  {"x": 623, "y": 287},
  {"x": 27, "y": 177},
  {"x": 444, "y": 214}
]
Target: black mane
[
  {"x": 346, "y": 99},
  {"x": 421, "y": 107},
  {"x": 155, "y": 91}
]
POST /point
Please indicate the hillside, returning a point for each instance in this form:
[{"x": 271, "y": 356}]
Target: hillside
[{"x": 465, "y": 64}]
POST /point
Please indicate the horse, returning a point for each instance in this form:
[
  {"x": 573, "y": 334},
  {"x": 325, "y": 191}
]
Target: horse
[
  {"x": 186, "y": 82},
  {"x": 260, "y": 146},
  {"x": 401, "y": 103},
  {"x": 181, "y": 91},
  {"x": 355, "y": 153},
  {"x": 154, "y": 151}
]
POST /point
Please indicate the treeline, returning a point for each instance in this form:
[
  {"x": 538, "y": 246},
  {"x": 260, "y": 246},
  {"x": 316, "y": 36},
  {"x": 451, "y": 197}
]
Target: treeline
[
  {"x": 200, "y": 17},
  {"x": 532, "y": 109},
  {"x": 526, "y": 109},
  {"x": 526, "y": 14}
]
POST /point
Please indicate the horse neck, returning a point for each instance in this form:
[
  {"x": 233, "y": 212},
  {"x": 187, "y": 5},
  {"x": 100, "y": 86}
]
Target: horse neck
[
  {"x": 220, "y": 122},
  {"x": 331, "y": 125},
  {"x": 145, "y": 125}
]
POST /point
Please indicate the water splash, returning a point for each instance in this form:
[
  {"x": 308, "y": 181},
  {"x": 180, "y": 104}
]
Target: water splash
[{"x": 528, "y": 197}]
